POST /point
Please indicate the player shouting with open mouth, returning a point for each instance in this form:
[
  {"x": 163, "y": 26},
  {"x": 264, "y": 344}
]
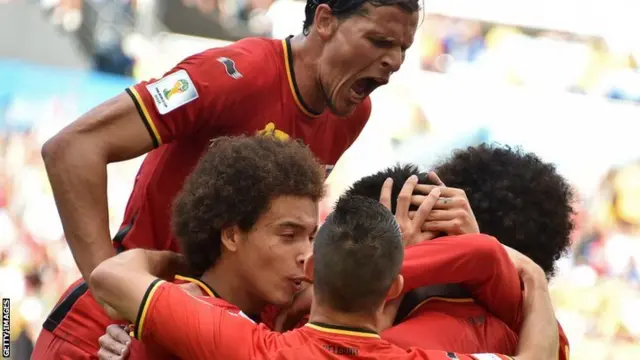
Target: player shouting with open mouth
[{"x": 314, "y": 87}]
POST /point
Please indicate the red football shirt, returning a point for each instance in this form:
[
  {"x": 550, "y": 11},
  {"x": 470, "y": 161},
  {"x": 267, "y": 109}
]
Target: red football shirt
[
  {"x": 245, "y": 88},
  {"x": 488, "y": 322},
  {"x": 140, "y": 351},
  {"x": 199, "y": 330}
]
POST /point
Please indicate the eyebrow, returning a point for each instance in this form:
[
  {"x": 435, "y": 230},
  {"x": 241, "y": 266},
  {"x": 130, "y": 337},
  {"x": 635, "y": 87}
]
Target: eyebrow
[{"x": 294, "y": 224}]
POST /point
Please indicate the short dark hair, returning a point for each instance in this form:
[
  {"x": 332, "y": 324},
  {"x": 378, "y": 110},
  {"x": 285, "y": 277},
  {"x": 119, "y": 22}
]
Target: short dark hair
[
  {"x": 346, "y": 8},
  {"x": 233, "y": 184},
  {"x": 516, "y": 197},
  {"x": 370, "y": 186},
  {"x": 358, "y": 253}
]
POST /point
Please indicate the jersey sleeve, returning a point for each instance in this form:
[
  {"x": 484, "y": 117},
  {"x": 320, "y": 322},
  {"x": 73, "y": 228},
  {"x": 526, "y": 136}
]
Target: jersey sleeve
[
  {"x": 193, "y": 329},
  {"x": 421, "y": 354},
  {"x": 200, "y": 93},
  {"x": 477, "y": 261}
]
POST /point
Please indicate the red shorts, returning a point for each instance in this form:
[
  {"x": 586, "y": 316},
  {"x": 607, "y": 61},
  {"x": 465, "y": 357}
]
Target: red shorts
[{"x": 51, "y": 347}]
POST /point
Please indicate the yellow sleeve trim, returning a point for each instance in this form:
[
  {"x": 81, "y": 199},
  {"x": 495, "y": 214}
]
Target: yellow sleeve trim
[
  {"x": 202, "y": 285},
  {"x": 144, "y": 306},
  {"x": 146, "y": 118}
]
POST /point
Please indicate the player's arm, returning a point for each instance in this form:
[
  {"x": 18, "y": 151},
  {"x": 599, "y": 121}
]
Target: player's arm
[
  {"x": 165, "y": 314},
  {"x": 477, "y": 261},
  {"x": 76, "y": 162},
  {"x": 539, "y": 335},
  {"x": 147, "y": 115}
]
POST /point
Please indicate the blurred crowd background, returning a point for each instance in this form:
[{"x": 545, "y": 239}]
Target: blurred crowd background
[{"x": 557, "y": 77}]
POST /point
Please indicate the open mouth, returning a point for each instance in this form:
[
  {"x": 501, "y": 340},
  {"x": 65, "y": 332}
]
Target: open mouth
[{"x": 365, "y": 86}]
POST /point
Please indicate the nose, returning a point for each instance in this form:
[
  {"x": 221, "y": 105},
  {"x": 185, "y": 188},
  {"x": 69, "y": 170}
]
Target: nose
[
  {"x": 303, "y": 255},
  {"x": 392, "y": 60}
]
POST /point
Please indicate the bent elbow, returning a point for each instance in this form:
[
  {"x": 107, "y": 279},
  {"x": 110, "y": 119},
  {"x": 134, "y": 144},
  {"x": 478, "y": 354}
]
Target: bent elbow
[
  {"x": 52, "y": 148},
  {"x": 489, "y": 249},
  {"x": 99, "y": 281}
]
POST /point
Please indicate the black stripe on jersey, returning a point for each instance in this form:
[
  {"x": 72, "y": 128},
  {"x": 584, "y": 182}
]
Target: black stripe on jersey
[
  {"x": 60, "y": 311},
  {"x": 292, "y": 73},
  {"x": 143, "y": 308},
  {"x": 144, "y": 118},
  {"x": 416, "y": 297}
]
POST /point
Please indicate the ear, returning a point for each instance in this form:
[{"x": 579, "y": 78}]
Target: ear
[
  {"x": 308, "y": 267},
  {"x": 396, "y": 288},
  {"x": 324, "y": 22},
  {"x": 230, "y": 236}
]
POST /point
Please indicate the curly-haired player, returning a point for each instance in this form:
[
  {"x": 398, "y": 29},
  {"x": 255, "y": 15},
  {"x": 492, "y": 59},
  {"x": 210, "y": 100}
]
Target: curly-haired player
[
  {"x": 515, "y": 197},
  {"x": 244, "y": 220},
  {"x": 314, "y": 87}
]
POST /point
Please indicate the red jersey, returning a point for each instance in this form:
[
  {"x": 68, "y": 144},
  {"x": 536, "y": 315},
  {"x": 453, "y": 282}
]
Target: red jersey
[
  {"x": 489, "y": 321},
  {"x": 194, "y": 329},
  {"x": 140, "y": 351},
  {"x": 245, "y": 88}
]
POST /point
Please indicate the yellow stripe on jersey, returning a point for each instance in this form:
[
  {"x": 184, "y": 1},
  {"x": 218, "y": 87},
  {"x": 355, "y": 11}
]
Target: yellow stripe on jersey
[
  {"x": 144, "y": 113},
  {"x": 451, "y": 300},
  {"x": 335, "y": 330},
  {"x": 144, "y": 306},
  {"x": 202, "y": 285},
  {"x": 288, "y": 64}
]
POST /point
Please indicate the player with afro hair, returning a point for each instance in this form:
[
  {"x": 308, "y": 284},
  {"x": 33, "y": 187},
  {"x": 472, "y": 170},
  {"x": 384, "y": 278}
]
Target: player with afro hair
[{"x": 515, "y": 196}]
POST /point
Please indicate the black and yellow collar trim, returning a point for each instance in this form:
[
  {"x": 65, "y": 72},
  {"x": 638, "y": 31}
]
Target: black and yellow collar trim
[
  {"x": 343, "y": 330},
  {"x": 206, "y": 288},
  {"x": 291, "y": 77}
]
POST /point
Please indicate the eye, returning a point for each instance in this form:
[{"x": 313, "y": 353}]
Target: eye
[{"x": 381, "y": 43}]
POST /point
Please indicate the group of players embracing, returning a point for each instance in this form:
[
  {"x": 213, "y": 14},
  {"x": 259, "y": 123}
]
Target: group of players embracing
[
  {"x": 239, "y": 139},
  {"x": 420, "y": 284}
]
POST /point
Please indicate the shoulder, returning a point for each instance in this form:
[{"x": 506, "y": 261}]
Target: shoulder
[{"x": 251, "y": 59}]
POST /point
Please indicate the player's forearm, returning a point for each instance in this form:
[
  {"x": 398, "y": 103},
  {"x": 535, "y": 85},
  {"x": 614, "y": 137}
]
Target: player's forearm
[
  {"x": 78, "y": 177},
  {"x": 456, "y": 259},
  {"x": 539, "y": 335},
  {"x": 121, "y": 281}
]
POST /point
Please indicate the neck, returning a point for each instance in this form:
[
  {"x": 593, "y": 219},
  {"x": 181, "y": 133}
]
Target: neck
[
  {"x": 324, "y": 314},
  {"x": 305, "y": 67},
  {"x": 228, "y": 284}
]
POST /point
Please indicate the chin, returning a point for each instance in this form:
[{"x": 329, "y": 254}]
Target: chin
[
  {"x": 346, "y": 109},
  {"x": 282, "y": 299}
]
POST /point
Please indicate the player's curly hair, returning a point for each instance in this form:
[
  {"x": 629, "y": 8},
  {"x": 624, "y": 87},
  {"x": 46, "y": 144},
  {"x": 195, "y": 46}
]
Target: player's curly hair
[
  {"x": 233, "y": 184},
  {"x": 516, "y": 197}
]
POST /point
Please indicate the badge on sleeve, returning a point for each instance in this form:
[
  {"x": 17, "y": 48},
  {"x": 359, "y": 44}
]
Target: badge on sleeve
[{"x": 172, "y": 91}]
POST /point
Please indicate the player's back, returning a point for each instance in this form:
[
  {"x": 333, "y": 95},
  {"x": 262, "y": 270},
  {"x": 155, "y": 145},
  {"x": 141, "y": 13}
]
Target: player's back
[
  {"x": 322, "y": 341},
  {"x": 464, "y": 327}
]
